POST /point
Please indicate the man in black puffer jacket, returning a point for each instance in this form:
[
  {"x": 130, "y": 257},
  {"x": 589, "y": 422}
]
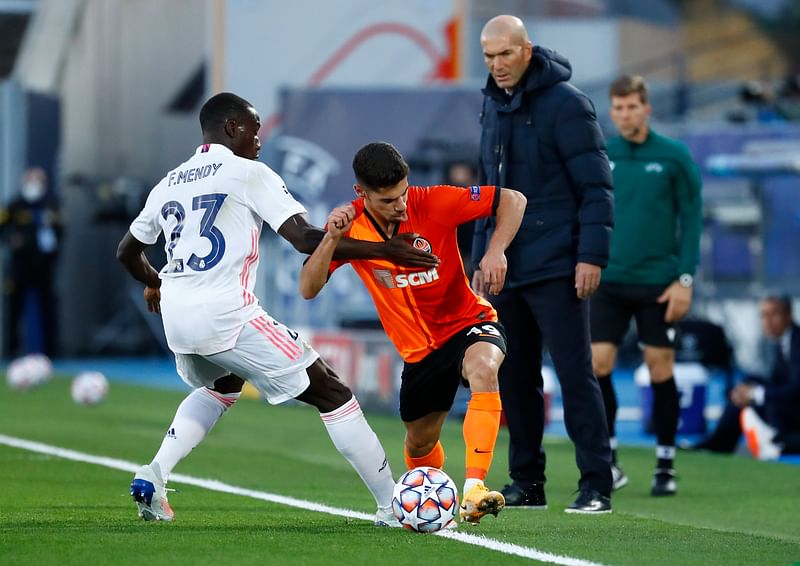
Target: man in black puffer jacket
[{"x": 540, "y": 136}]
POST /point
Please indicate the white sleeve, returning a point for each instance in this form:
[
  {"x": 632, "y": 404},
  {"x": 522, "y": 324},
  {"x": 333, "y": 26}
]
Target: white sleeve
[
  {"x": 268, "y": 196},
  {"x": 757, "y": 394},
  {"x": 146, "y": 227}
]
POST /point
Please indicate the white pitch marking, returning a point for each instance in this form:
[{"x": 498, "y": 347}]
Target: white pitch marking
[{"x": 214, "y": 485}]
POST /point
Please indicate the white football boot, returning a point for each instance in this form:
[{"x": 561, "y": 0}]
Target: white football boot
[
  {"x": 759, "y": 435},
  {"x": 385, "y": 518},
  {"x": 150, "y": 494}
]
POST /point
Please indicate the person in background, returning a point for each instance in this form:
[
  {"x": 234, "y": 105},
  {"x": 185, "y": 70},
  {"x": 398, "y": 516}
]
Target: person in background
[
  {"x": 540, "y": 136},
  {"x": 31, "y": 227},
  {"x": 655, "y": 248},
  {"x": 766, "y": 408},
  {"x": 462, "y": 173}
]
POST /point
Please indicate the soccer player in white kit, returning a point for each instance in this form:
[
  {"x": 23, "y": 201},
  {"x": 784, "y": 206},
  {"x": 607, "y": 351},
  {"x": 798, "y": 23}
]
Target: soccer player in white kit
[{"x": 211, "y": 209}]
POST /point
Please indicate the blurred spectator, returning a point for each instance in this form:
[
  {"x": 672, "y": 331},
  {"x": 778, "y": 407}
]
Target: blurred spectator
[
  {"x": 31, "y": 228},
  {"x": 463, "y": 173},
  {"x": 760, "y": 96},
  {"x": 788, "y": 103},
  {"x": 765, "y": 103},
  {"x": 766, "y": 409}
]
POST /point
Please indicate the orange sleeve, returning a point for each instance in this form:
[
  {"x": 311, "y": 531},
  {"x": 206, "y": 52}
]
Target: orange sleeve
[{"x": 453, "y": 206}]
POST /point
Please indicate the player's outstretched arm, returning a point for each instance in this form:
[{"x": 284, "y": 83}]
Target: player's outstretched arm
[
  {"x": 306, "y": 237},
  {"x": 315, "y": 270},
  {"x": 493, "y": 265}
]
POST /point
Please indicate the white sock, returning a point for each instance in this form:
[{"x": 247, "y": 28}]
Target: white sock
[
  {"x": 196, "y": 415},
  {"x": 358, "y": 443}
]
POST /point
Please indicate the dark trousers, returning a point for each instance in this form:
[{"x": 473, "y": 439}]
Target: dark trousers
[
  {"x": 727, "y": 432},
  {"x": 38, "y": 286},
  {"x": 550, "y": 314},
  {"x": 782, "y": 414}
]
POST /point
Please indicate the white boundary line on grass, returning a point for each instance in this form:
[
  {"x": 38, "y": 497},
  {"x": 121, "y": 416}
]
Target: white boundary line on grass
[{"x": 214, "y": 485}]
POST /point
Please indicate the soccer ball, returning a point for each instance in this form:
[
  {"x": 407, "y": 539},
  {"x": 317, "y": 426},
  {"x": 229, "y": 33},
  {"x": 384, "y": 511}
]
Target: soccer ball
[
  {"x": 40, "y": 367},
  {"x": 89, "y": 388},
  {"x": 19, "y": 375},
  {"x": 425, "y": 500},
  {"x": 29, "y": 371}
]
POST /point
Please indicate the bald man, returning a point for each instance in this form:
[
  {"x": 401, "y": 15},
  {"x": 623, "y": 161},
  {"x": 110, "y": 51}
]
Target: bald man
[{"x": 539, "y": 135}]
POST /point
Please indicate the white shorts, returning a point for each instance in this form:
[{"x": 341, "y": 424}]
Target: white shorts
[{"x": 270, "y": 356}]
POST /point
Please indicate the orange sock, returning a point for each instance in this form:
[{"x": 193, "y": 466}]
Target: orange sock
[
  {"x": 481, "y": 424},
  {"x": 434, "y": 459}
]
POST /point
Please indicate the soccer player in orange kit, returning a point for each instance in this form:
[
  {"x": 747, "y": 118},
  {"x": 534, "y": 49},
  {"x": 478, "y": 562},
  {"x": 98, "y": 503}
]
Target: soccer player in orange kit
[{"x": 442, "y": 329}]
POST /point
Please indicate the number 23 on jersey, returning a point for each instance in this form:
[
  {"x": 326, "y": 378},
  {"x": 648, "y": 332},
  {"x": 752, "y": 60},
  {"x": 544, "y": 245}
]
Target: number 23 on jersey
[{"x": 210, "y": 203}]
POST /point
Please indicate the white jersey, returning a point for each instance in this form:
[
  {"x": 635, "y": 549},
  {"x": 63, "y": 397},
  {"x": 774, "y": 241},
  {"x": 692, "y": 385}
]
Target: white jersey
[{"x": 211, "y": 209}]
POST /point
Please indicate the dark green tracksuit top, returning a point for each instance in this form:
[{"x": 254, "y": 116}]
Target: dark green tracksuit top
[{"x": 657, "y": 211}]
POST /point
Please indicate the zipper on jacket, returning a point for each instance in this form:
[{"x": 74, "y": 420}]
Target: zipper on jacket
[{"x": 500, "y": 150}]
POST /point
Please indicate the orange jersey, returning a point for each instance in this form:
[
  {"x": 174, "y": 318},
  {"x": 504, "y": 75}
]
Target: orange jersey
[{"x": 421, "y": 309}]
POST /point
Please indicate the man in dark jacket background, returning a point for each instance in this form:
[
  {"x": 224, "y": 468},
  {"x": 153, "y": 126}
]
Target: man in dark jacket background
[
  {"x": 540, "y": 136},
  {"x": 766, "y": 408}
]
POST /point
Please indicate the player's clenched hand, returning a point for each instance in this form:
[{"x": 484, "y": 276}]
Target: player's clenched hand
[
  {"x": 587, "y": 279},
  {"x": 741, "y": 395},
  {"x": 152, "y": 297},
  {"x": 678, "y": 299},
  {"x": 401, "y": 251},
  {"x": 339, "y": 219},
  {"x": 478, "y": 283},
  {"x": 493, "y": 266}
]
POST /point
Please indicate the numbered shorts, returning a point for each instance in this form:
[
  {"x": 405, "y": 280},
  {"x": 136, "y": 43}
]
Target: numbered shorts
[
  {"x": 430, "y": 384},
  {"x": 614, "y": 304},
  {"x": 270, "y": 356}
]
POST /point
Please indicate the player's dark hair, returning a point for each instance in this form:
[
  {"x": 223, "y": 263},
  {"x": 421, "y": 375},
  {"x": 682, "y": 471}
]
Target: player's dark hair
[
  {"x": 784, "y": 302},
  {"x": 378, "y": 165},
  {"x": 220, "y": 108},
  {"x": 629, "y": 84}
]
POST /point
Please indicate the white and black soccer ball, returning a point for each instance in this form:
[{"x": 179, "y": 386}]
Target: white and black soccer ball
[
  {"x": 425, "y": 500},
  {"x": 20, "y": 375},
  {"x": 29, "y": 371},
  {"x": 89, "y": 388},
  {"x": 40, "y": 367}
]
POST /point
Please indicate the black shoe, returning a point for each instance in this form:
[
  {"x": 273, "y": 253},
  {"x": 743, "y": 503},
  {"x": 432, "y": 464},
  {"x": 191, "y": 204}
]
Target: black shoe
[
  {"x": 590, "y": 502},
  {"x": 664, "y": 482},
  {"x": 531, "y": 497}
]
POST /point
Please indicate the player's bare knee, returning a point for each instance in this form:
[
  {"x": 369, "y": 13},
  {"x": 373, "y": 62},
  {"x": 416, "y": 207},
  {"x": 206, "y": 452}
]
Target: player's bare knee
[
  {"x": 660, "y": 372},
  {"x": 604, "y": 356},
  {"x": 660, "y": 363},
  {"x": 326, "y": 391},
  {"x": 229, "y": 384},
  {"x": 601, "y": 367},
  {"x": 481, "y": 373}
]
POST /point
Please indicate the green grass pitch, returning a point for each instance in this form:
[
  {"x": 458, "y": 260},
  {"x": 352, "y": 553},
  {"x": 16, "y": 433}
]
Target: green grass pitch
[{"x": 728, "y": 510}]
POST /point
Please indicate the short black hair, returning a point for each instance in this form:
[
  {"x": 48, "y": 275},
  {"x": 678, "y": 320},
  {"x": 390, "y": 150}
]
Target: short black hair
[
  {"x": 220, "y": 108},
  {"x": 379, "y": 165},
  {"x": 783, "y": 301}
]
